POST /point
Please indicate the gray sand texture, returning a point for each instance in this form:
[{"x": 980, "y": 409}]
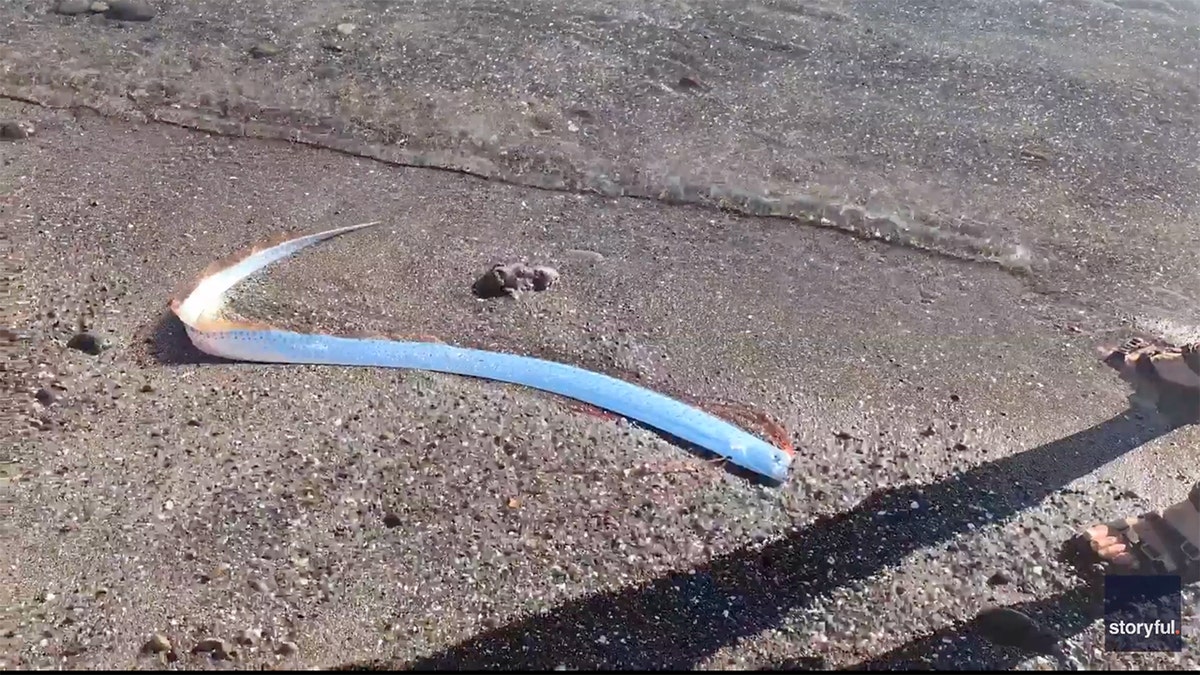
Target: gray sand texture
[{"x": 899, "y": 228}]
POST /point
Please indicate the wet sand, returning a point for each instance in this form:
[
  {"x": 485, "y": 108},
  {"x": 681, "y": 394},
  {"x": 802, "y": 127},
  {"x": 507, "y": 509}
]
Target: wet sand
[{"x": 951, "y": 419}]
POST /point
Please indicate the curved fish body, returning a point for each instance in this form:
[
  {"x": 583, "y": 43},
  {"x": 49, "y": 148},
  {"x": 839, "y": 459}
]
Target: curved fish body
[{"x": 200, "y": 311}]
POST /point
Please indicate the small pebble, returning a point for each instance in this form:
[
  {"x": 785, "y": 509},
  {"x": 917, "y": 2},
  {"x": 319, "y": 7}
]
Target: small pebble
[
  {"x": 346, "y": 28},
  {"x": 1008, "y": 627},
  {"x": 512, "y": 278},
  {"x": 998, "y": 579},
  {"x": 214, "y": 646},
  {"x": 157, "y": 643},
  {"x": 249, "y": 637},
  {"x": 129, "y": 10},
  {"x": 391, "y": 520},
  {"x": 263, "y": 50},
  {"x": 87, "y": 343},
  {"x": 44, "y": 396},
  {"x": 15, "y": 131},
  {"x": 99, "y": 7},
  {"x": 72, "y": 7},
  {"x": 287, "y": 648}
]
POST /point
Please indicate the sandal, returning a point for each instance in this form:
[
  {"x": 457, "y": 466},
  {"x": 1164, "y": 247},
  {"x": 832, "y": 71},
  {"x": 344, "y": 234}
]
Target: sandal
[
  {"x": 1191, "y": 356},
  {"x": 1156, "y": 543},
  {"x": 1139, "y": 357},
  {"x": 1164, "y": 377}
]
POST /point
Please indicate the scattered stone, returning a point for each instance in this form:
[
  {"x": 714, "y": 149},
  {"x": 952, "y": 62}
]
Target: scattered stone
[
  {"x": 193, "y": 422},
  {"x": 1010, "y": 628},
  {"x": 15, "y": 131},
  {"x": 218, "y": 572},
  {"x": 45, "y": 396},
  {"x": 391, "y": 520},
  {"x": 99, "y": 7},
  {"x": 215, "y": 647},
  {"x": 259, "y": 585},
  {"x": 929, "y": 431},
  {"x": 249, "y": 637},
  {"x": 264, "y": 50},
  {"x": 87, "y": 343},
  {"x": 346, "y": 28},
  {"x": 157, "y": 644},
  {"x": 999, "y": 579},
  {"x": 287, "y": 648},
  {"x": 581, "y": 113},
  {"x": 542, "y": 122},
  {"x": 1035, "y": 154},
  {"x": 72, "y": 7},
  {"x": 146, "y": 389},
  {"x": 129, "y": 10},
  {"x": 512, "y": 278}
]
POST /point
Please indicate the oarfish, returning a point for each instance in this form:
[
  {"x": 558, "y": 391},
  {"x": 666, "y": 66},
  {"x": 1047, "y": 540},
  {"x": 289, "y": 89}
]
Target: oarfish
[{"x": 200, "y": 310}]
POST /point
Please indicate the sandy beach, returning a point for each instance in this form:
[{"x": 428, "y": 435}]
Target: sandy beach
[{"x": 899, "y": 228}]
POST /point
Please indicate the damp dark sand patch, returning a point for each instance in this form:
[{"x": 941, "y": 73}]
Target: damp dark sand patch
[{"x": 927, "y": 232}]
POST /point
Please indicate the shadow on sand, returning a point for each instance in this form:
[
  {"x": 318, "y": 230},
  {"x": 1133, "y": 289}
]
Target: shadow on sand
[
  {"x": 963, "y": 645},
  {"x": 678, "y": 620},
  {"x": 170, "y": 345}
]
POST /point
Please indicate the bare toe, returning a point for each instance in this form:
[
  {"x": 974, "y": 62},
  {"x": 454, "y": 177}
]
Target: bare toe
[{"x": 1166, "y": 542}]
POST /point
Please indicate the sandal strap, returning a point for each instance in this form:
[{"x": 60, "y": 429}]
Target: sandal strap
[
  {"x": 1191, "y": 356},
  {"x": 1178, "y": 555}
]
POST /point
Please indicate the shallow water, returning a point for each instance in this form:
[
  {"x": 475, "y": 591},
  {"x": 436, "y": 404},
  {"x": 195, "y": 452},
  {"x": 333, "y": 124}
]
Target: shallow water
[{"x": 1057, "y": 141}]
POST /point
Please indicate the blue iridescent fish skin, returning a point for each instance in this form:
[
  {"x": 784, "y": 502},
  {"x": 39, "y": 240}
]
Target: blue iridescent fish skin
[{"x": 269, "y": 345}]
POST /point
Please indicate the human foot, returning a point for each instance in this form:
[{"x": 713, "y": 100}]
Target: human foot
[
  {"x": 1165, "y": 377},
  {"x": 1166, "y": 542}
]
